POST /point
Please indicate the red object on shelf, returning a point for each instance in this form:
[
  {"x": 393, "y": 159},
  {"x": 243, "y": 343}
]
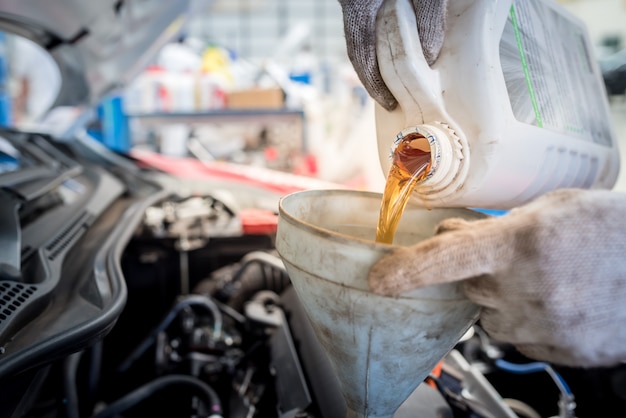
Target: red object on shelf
[{"x": 271, "y": 154}]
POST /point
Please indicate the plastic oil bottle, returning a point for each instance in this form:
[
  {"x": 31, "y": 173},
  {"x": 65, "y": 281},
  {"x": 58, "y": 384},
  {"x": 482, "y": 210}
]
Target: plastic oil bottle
[{"x": 514, "y": 106}]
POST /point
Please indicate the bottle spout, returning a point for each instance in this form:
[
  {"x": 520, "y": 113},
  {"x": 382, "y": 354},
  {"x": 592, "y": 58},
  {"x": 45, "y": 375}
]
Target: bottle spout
[{"x": 447, "y": 157}]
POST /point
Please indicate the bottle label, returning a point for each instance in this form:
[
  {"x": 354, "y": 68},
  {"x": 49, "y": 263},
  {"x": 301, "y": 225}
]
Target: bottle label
[{"x": 550, "y": 75}]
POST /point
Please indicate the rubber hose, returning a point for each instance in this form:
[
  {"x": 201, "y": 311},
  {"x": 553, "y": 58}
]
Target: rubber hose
[
  {"x": 149, "y": 389},
  {"x": 70, "y": 368}
]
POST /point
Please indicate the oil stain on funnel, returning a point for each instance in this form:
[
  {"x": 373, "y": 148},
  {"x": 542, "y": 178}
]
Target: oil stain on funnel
[{"x": 381, "y": 348}]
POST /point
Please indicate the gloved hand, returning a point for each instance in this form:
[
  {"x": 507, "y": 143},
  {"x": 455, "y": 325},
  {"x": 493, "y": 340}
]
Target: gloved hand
[
  {"x": 550, "y": 276},
  {"x": 359, "y": 23}
]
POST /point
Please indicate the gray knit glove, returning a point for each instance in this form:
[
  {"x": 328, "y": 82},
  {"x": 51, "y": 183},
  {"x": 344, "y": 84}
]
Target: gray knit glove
[
  {"x": 550, "y": 275},
  {"x": 359, "y": 23}
]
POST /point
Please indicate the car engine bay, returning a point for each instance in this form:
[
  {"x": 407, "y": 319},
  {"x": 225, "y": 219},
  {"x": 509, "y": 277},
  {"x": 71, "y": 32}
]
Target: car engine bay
[{"x": 123, "y": 293}]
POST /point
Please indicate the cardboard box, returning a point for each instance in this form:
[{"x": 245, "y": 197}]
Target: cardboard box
[{"x": 256, "y": 99}]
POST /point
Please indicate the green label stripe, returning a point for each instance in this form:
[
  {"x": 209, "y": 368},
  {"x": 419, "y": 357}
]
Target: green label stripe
[{"x": 522, "y": 55}]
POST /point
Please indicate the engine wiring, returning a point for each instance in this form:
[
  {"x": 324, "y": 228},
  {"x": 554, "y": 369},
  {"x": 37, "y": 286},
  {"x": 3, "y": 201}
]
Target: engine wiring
[
  {"x": 184, "y": 302},
  {"x": 567, "y": 405}
]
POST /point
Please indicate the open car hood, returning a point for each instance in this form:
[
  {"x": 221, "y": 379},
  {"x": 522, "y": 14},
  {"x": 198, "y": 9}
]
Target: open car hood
[{"x": 98, "y": 45}]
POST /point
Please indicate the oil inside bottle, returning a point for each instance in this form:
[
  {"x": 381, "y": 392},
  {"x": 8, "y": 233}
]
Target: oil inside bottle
[{"x": 411, "y": 162}]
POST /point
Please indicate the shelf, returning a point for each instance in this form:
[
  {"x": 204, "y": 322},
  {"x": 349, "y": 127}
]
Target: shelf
[{"x": 228, "y": 115}]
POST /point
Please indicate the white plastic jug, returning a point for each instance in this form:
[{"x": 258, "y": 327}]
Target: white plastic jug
[{"x": 514, "y": 106}]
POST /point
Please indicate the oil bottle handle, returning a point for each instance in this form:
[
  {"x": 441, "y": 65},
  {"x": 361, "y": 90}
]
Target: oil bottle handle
[{"x": 403, "y": 67}]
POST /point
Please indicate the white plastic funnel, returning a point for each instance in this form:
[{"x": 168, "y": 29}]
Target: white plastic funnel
[{"x": 381, "y": 348}]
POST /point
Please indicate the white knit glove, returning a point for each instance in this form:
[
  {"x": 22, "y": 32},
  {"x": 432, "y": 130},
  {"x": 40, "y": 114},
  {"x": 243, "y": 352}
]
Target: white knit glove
[
  {"x": 550, "y": 276},
  {"x": 359, "y": 23}
]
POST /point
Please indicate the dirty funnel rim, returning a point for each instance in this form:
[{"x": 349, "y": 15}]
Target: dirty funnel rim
[{"x": 341, "y": 237}]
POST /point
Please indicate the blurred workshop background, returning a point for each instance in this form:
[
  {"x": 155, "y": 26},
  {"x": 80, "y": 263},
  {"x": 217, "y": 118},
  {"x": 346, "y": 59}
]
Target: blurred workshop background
[{"x": 262, "y": 83}]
